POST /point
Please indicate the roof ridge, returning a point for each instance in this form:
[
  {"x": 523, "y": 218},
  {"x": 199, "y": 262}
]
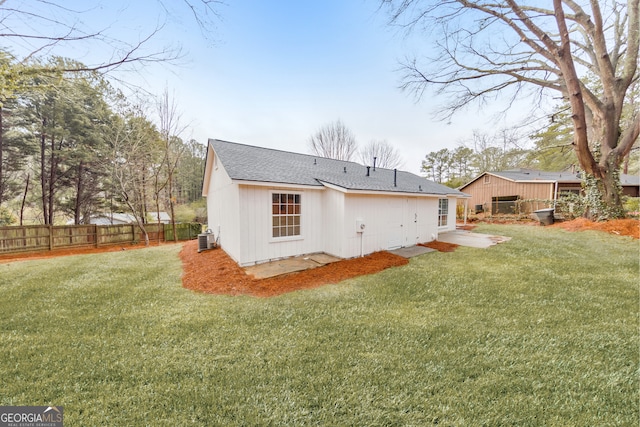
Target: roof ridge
[{"x": 313, "y": 156}]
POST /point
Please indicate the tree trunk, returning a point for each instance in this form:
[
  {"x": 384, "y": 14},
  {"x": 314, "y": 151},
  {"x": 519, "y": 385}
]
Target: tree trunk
[
  {"x": 43, "y": 176},
  {"x": 173, "y": 221},
  {"x": 79, "y": 191},
  {"x": 52, "y": 179},
  {"x": 2, "y": 180},
  {"x": 24, "y": 199}
]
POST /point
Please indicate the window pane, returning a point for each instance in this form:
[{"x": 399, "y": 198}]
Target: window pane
[{"x": 285, "y": 213}]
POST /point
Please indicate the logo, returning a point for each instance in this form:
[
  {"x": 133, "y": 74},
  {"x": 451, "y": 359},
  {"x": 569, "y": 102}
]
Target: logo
[{"x": 31, "y": 416}]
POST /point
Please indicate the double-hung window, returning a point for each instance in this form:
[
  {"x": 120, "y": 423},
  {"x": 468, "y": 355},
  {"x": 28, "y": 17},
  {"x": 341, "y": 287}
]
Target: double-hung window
[
  {"x": 285, "y": 212},
  {"x": 443, "y": 212}
]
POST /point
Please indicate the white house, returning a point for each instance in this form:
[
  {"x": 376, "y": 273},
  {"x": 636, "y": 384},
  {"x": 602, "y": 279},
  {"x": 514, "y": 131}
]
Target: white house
[{"x": 266, "y": 204}]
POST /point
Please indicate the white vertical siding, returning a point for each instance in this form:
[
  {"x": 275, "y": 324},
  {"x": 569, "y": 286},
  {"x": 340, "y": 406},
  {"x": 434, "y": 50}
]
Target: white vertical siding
[
  {"x": 241, "y": 215},
  {"x": 427, "y": 219},
  {"x": 391, "y": 222},
  {"x": 333, "y": 228},
  {"x": 255, "y": 231},
  {"x": 222, "y": 205}
]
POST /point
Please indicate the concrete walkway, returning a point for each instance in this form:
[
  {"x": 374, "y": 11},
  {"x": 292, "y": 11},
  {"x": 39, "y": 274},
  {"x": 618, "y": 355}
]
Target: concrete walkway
[
  {"x": 411, "y": 251},
  {"x": 471, "y": 239},
  {"x": 289, "y": 265}
]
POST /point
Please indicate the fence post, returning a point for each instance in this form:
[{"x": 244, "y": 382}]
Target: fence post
[{"x": 95, "y": 234}]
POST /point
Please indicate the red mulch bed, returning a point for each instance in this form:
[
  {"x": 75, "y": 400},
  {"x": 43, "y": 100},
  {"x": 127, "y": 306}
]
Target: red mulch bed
[
  {"x": 80, "y": 250},
  {"x": 215, "y": 272},
  {"x": 620, "y": 227}
]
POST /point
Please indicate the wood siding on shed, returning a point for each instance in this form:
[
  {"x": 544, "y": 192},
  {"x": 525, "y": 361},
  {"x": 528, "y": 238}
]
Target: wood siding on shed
[{"x": 482, "y": 191}]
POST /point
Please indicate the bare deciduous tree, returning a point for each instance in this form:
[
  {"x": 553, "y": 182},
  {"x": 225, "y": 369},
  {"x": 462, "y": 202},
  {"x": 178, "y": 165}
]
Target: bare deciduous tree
[
  {"x": 170, "y": 129},
  {"x": 36, "y": 29},
  {"x": 334, "y": 141},
  {"x": 491, "y": 48},
  {"x": 386, "y": 156}
]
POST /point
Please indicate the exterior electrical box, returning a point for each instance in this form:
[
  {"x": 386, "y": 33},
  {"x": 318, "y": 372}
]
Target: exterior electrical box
[{"x": 360, "y": 225}]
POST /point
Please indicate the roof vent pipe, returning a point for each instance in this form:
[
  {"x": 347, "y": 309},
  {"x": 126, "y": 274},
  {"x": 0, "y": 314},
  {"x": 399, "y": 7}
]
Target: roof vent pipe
[
  {"x": 395, "y": 177},
  {"x": 315, "y": 161},
  {"x": 368, "y": 169},
  {"x": 345, "y": 169},
  {"x": 374, "y": 164}
]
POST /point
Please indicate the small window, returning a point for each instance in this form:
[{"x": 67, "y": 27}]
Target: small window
[
  {"x": 487, "y": 179},
  {"x": 443, "y": 212},
  {"x": 285, "y": 212}
]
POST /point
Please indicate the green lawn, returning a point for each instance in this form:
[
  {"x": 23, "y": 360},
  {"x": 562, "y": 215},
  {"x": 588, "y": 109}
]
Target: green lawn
[{"x": 542, "y": 330}]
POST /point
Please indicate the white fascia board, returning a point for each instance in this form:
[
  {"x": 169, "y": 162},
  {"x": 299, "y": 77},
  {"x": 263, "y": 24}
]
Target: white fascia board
[
  {"x": 278, "y": 185},
  {"x": 383, "y": 193}
]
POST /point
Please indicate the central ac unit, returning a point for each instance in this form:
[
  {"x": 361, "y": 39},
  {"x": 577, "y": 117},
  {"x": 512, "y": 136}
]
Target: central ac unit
[{"x": 206, "y": 241}]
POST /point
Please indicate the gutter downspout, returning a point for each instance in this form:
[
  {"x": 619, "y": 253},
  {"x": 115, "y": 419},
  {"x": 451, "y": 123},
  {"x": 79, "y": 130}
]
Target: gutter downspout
[{"x": 555, "y": 196}]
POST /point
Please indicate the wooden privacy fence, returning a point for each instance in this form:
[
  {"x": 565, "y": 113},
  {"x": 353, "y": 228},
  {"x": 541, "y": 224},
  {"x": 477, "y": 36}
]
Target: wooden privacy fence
[{"x": 47, "y": 238}]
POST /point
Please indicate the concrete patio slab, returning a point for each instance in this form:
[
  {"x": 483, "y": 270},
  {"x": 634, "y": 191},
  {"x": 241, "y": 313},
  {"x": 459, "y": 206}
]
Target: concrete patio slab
[
  {"x": 411, "y": 251},
  {"x": 323, "y": 259},
  {"x": 289, "y": 265},
  {"x": 471, "y": 239}
]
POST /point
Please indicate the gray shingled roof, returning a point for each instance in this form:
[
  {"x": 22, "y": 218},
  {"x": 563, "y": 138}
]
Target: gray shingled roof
[
  {"x": 531, "y": 175},
  {"x": 535, "y": 175},
  {"x": 250, "y": 163}
]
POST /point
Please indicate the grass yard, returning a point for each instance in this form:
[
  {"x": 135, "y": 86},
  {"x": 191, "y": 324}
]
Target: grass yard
[{"x": 540, "y": 331}]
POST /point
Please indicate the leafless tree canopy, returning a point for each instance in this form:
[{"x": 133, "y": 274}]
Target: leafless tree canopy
[
  {"x": 386, "y": 155},
  {"x": 584, "y": 50},
  {"x": 334, "y": 141},
  {"x": 39, "y": 27}
]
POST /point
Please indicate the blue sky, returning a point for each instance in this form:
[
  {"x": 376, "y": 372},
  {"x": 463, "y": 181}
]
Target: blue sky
[{"x": 271, "y": 73}]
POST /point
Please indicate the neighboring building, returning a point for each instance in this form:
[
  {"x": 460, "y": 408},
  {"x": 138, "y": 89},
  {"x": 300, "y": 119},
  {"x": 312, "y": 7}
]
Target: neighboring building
[
  {"x": 266, "y": 204},
  {"x": 497, "y": 192},
  {"x": 115, "y": 218},
  {"x": 165, "y": 218}
]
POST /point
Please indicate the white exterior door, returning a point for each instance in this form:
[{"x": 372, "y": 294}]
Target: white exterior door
[{"x": 411, "y": 222}]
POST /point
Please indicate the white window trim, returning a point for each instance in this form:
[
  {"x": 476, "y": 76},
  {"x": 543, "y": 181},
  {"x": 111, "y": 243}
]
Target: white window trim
[
  {"x": 285, "y": 238},
  {"x": 447, "y": 213}
]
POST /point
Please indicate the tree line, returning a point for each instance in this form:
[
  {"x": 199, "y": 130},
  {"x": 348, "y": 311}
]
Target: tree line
[
  {"x": 546, "y": 149},
  {"x": 584, "y": 52},
  {"x": 72, "y": 146}
]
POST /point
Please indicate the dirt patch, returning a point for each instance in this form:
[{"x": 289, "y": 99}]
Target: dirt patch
[
  {"x": 76, "y": 251},
  {"x": 620, "y": 227},
  {"x": 216, "y": 273},
  {"x": 440, "y": 246}
]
